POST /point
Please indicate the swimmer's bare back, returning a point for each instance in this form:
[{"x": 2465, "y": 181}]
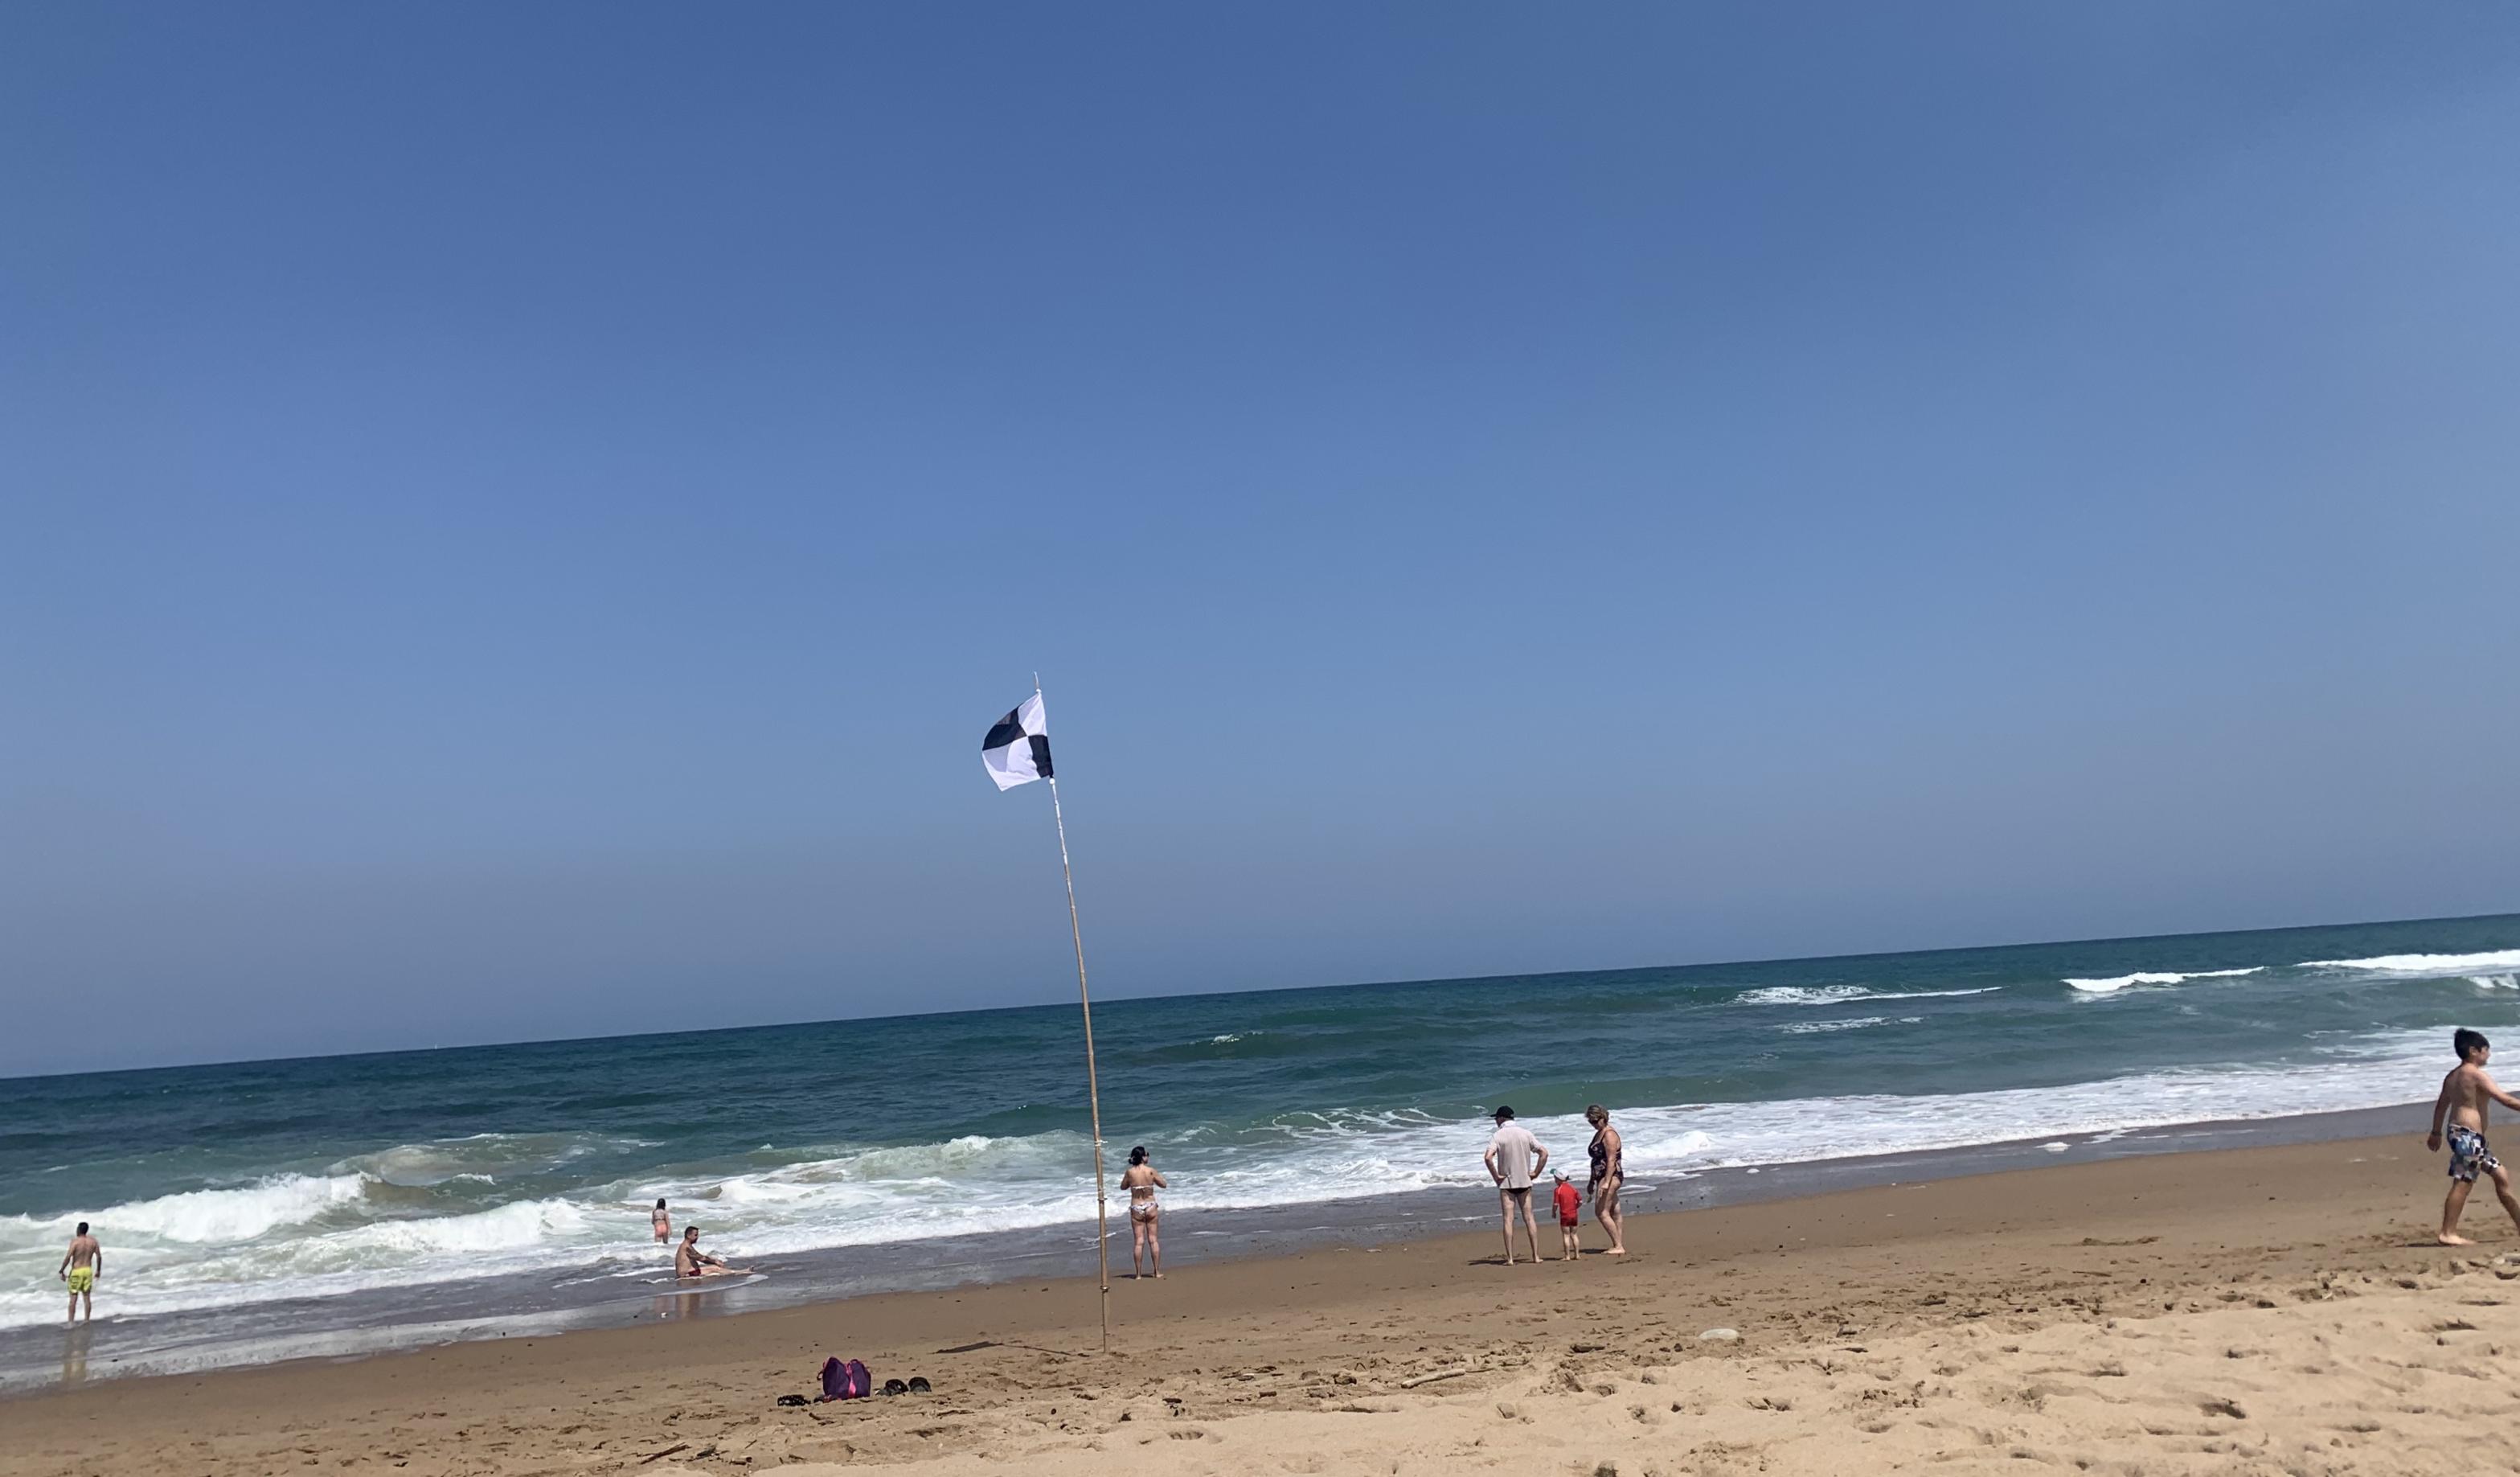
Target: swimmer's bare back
[{"x": 2467, "y": 1091}]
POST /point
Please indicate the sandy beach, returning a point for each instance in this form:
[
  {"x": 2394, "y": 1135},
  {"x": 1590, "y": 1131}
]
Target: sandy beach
[
  {"x": 2267, "y": 1310},
  {"x": 687, "y": 695}
]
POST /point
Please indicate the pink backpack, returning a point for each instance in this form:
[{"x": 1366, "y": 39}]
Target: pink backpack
[{"x": 847, "y": 1381}]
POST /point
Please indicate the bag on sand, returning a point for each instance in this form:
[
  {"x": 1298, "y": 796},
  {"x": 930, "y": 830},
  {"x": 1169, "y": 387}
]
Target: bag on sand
[{"x": 844, "y": 1381}]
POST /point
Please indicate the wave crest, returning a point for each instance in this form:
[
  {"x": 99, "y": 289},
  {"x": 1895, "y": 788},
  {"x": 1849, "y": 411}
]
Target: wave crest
[
  {"x": 2116, "y": 982},
  {"x": 209, "y": 1216},
  {"x": 2490, "y": 962},
  {"x": 1840, "y": 994}
]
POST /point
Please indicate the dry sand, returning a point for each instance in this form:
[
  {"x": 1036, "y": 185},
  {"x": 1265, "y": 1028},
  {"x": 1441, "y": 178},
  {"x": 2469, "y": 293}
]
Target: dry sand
[{"x": 2265, "y": 1311}]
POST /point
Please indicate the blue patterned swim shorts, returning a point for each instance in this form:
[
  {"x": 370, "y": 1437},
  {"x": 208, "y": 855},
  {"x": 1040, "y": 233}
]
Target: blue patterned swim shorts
[{"x": 2468, "y": 1154}]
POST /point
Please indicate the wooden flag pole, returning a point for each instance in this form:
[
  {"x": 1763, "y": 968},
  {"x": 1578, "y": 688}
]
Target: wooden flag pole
[{"x": 1093, "y": 1084}]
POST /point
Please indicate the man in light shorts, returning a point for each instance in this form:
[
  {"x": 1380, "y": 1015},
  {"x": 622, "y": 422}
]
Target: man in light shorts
[
  {"x": 79, "y": 1268},
  {"x": 1514, "y": 1160}
]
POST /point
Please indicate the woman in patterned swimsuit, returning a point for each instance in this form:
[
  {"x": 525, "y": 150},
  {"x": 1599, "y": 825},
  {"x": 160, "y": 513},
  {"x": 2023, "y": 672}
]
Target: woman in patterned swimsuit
[
  {"x": 1146, "y": 1245},
  {"x": 1609, "y": 1172}
]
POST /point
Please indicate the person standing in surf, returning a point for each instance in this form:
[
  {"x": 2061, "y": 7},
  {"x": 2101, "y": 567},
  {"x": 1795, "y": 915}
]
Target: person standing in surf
[
  {"x": 1515, "y": 1159},
  {"x": 2464, "y": 1094},
  {"x": 1609, "y": 1172},
  {"x": 1142, "y": 1182},
  {"x": 661, "y": 1222},
  {"x": 79, "y": 1268}
]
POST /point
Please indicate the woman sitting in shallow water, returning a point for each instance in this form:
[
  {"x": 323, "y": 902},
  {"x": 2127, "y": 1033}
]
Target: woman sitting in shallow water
[{"x": 1142, "y": 1182}]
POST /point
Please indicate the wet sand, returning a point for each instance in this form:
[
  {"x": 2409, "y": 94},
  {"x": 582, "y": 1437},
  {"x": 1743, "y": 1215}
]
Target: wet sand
[{"x": 2272, "y": 1308}]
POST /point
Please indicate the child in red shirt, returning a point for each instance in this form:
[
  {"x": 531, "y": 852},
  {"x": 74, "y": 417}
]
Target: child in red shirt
[{"x": 1570, "y": 1200}]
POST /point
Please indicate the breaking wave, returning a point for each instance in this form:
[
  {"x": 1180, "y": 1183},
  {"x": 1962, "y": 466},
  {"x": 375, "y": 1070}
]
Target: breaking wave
[
  {"x": 2116, "y": 982},
  {"x": 1840, "y": 995},
  {"x": 2492, "y": 961}
]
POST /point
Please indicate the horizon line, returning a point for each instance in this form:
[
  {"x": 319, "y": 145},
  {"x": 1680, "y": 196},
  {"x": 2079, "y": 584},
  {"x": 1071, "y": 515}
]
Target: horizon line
[{"x": 912, "y": 1015}]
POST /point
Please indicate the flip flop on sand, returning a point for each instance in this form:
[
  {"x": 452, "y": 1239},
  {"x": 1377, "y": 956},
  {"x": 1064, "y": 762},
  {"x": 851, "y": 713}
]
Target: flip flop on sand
[{"x": 918, "y": 1385}]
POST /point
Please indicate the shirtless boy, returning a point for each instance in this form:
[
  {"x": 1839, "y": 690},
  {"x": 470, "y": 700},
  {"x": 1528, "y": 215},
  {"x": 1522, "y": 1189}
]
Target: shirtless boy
[
  {"x": 80, "y": 1266},
  {"x": 2464, "y": 1094}
]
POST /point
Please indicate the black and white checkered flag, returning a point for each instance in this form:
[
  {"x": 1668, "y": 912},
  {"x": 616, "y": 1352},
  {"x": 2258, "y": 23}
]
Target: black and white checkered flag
[{"x": 1018, "y": 747}]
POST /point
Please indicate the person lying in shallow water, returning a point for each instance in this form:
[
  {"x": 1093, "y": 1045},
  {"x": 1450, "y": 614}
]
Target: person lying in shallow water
[{"x": 691, "y": 1262}]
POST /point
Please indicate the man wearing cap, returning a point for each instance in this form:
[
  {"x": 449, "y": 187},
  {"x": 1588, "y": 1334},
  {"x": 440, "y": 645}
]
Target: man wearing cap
[{"x": 1515, "y": 1159}]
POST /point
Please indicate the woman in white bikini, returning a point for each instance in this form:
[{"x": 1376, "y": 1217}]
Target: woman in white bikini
[{"x": 1142, "y": 1182}]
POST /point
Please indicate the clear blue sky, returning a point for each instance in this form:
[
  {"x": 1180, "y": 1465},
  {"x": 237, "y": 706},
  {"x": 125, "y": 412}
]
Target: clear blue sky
[{"x": 513, "y": 520}]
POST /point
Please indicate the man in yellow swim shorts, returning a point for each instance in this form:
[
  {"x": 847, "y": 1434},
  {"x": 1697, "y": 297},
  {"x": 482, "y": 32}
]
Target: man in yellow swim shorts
[{"x": 79, "y": 1268}]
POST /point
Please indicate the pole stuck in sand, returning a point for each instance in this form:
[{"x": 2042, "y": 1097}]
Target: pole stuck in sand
[
  {"x": 1092, "y": 1083},
  {"x": 1017, "y": 752}
]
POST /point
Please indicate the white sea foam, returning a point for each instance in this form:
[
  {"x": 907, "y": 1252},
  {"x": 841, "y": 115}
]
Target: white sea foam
[
  {"x": 2494, "y": 981},
  {"x": 2425, "y": 964},
  {"x": 2373, "y": 1073},
  {"x": 1840, "y": 994},
  {"x": 518, "y": 1224},
  {"x": 2116, "y": 982},
  {"x": 207, "y": 1216},
  {"x": 1811, "y": 1028},
  {"x": 1801, "y": 994},
  {"x": 1808, "y": 1028},
  {"x": 1677, "y": 1138}
]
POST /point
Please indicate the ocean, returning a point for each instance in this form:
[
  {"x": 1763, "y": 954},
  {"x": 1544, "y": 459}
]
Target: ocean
[{"x": 268, "y": 1209}]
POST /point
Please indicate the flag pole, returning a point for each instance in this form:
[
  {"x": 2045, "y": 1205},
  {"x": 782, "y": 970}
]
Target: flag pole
[{"x": 1092, "y": 1083}]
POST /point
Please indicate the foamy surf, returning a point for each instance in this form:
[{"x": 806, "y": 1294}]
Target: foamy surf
[
  {"x": 1859, "y": 1023},
  {"x": 205, "y": 1217},
  {"x": 2116, "y": 982},
  {"x": 2490, "y": 961},
  {"x": 210, "y": 1248},
  {"x": 1841, "y": 995}
]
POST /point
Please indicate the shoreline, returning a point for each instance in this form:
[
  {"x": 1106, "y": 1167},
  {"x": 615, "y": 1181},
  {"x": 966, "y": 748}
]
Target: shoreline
[
  {"x": 449, "y": 1313},
  {"x": 1429, "y": 1329},
  {"x": 372, "y": 1204}
]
